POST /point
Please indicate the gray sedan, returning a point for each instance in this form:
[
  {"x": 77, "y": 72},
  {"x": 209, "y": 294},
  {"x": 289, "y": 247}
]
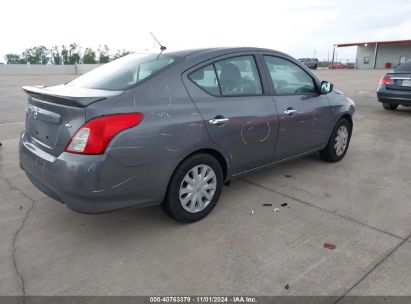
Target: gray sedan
[
  {"x": 395, "y": 87},
  {"x": 173, "y": 128}
]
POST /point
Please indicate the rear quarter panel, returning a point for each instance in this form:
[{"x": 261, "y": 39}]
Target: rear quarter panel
[{"x": 171, "y": 129}]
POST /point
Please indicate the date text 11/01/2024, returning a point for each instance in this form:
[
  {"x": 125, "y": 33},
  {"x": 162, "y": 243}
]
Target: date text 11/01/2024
[{"x": 203, "y": 299}]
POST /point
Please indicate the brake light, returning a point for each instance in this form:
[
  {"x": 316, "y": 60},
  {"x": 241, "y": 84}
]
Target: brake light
[
  {"x": 385, "y": 80},
  {"x": 95, "y": 135}
]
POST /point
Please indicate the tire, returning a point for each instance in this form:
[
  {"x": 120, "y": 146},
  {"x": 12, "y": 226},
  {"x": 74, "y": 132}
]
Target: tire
[
  {"x": 186, "y": 203},
  {"x": 315, "y": 67},
  {"x": 390, "y": 106},
  {"x": 334, "y": 152}
]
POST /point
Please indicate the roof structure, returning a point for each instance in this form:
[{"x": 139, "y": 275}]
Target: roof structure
[{"x": 372, "y": 42}]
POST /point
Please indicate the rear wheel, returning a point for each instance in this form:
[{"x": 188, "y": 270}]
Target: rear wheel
[
  {"x": 194, "y": 188},
  {"x": 390, "y": 106},
  {"x": 315, "y": 67},
  {"x": 338, "y": 143}
]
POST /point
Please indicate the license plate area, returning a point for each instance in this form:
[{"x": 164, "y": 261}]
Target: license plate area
[
  {"x": 42, "y": 131},
  {"x": 406, "y": 83},
  {"x": 43, "y": 126}
]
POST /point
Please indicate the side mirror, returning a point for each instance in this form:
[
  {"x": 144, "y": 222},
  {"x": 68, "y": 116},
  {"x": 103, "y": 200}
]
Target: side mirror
[{"x": 326, "y": 87}]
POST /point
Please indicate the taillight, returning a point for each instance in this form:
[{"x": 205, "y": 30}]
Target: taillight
[
  {"x": 95, "y": 135},
  {"x": 385, "y": 80}
]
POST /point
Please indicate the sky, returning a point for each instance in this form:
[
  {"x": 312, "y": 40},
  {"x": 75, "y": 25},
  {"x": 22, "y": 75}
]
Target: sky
[{"x": 301, "y": 28}]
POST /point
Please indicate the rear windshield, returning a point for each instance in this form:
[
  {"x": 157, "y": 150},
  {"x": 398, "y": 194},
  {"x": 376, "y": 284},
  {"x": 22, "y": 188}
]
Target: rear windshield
[
  {"x": 406, "y": 66},
  {"x": 123, "y": 73}
]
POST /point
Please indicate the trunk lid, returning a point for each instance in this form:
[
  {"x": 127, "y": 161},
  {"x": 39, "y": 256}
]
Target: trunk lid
[
  {"x": 54, "y": 114},
  {"x": 400, "y": 81}
]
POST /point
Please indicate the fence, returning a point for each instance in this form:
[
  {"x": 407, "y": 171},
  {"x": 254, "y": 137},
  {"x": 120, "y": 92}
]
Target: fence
[{"x": 46, "y": 69}]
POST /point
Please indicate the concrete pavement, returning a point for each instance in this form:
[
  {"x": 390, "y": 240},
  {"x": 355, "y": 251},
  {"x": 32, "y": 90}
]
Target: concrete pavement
[{"x": 361, "y": 205}]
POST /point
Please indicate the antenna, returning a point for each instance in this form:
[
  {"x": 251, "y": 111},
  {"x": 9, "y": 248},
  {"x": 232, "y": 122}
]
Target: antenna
[{"x": 162, "y": 47}]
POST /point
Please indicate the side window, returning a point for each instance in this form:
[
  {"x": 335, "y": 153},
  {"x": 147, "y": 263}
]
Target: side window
[
  {"x": 288, "y": 78},
  {"x": 206, "y": 79},
  {"x": 238, "y": 76}
]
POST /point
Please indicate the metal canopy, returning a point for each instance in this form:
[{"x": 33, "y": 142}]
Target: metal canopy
[{"x": 372, "y": 42}]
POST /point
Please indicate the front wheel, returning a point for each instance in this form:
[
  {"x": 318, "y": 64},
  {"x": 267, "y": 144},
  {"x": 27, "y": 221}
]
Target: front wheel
[
  {"x": 338, "y": 143},
  {"x": 194, "y": 188},
  {"x": 390, "y": 106}
]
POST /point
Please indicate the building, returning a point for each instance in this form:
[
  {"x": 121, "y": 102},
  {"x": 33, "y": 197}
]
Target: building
[{"x": 379, "y": 54}]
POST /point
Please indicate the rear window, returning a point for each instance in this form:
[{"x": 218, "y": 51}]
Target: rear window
[
  {"x": 123, "y": 73},
  {"x": 406, "y": 66},
  {"x": 206, "y": 79}
]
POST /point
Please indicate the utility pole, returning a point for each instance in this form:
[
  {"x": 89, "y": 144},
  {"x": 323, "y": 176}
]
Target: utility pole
[{"x": 332, "y": 60}]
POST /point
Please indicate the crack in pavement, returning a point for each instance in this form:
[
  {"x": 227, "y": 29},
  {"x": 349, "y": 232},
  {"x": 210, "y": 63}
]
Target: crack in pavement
[
  {"x": 322, "y": 209},
  {"x": 373, "y": 268},
  {"x": 20, "y": 228},
  {"x": 16, "y": 268}
]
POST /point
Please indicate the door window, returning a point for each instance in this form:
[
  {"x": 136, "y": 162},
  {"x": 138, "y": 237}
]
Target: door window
[
  {"x": 288, "y": 78},
  {"x": 238, "y": 76}
]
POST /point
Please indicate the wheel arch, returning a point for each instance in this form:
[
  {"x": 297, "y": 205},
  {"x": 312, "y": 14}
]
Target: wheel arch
[
  {"x": 346, "y": 116},
  {"x": 217, "y": 155},
  {"x": 213, "y": 152},
  {"x": 225, "y": 166},
  {"x": 349, "y": 118}
]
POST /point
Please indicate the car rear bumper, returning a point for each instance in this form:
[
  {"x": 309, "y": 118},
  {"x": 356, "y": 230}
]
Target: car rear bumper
[
  {"x": 394, "y": 96},
  {"x": 93, "y": 183}
]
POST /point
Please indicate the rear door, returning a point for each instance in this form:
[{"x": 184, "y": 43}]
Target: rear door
[
  {"x": 239, "y": 114},
  {"x": 304, "y": 114}
]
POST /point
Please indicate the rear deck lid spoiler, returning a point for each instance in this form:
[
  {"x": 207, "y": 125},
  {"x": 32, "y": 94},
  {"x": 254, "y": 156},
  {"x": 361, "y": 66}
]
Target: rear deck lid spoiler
[{"x": 68, "y": 95}]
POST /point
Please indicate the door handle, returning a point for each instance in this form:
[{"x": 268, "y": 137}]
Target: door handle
[
  {"x": 290, "y": 111},
  {"x": 217, "y": 121}
]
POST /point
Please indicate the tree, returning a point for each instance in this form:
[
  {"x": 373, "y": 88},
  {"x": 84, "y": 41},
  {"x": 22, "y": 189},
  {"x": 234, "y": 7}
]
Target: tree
[
  {"x": 14, "y": 59},
  {"x": 89, "y": 56},
  {"x": 43, "y": 54},
  {"x": 64, "y": 54},
  {"x": 104, "y": 54},
  {"x": 74, "y": 54},
  {"x": 37, "y": 55},
  {"x": 120, "y": 53},
  {"x": 55, "y": 55},
  {"x": 28, "y": 55}
]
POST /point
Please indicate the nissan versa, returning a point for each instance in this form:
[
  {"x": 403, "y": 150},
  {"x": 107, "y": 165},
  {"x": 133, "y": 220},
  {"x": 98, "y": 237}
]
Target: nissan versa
[{"x": 172, "y": 128}]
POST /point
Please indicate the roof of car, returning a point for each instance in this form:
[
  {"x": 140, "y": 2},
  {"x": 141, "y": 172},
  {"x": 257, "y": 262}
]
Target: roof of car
[
  {"x": 404, "y": 67},
  {"x": 207, "y": 51},
  {"x": 185, "y": 53}
]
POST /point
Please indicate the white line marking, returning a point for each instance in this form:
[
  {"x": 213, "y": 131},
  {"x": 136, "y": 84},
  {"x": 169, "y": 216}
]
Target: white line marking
[{"x": 11, "y": 123}]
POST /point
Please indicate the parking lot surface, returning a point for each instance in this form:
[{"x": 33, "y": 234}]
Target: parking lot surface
[{"x": 362, "y": 205}]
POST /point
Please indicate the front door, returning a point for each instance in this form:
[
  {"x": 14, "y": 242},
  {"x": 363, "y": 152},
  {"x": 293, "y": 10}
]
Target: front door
[
  {"x": 304, "y": 114},
  {"x": 238, "y": 116}
]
